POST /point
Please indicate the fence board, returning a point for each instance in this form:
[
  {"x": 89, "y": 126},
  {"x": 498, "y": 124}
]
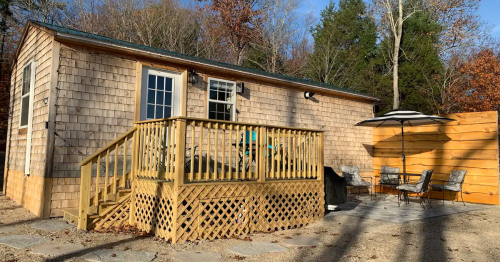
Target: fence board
[{"x": 471, "y": 143}]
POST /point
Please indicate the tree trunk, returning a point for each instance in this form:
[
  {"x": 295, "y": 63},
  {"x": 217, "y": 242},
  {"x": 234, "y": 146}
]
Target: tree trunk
[
  {"x": 3, "y": 32},
  {"x": 397, "y": 43}
]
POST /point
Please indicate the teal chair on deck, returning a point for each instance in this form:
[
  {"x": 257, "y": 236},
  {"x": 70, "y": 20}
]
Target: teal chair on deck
[{"x": 245, "y": 147}]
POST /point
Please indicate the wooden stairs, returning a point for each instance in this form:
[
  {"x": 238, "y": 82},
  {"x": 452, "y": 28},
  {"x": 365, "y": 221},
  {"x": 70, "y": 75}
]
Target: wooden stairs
[{"x": 110, "y": 213}]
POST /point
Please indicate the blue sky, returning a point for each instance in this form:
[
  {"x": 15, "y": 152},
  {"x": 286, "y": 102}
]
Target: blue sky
[{"x": 488, "y": 11}]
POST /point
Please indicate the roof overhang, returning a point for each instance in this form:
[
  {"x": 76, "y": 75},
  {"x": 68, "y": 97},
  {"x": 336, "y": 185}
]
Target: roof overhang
[{"x": 65, "y": 37}]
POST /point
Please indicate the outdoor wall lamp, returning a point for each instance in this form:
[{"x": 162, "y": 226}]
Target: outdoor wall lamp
[
  {"x": 193, "y": 77},
  {"x": 308, "y": 94},
  {"x": 240, "y": 88},
  {"x": 45, "y": 100}
]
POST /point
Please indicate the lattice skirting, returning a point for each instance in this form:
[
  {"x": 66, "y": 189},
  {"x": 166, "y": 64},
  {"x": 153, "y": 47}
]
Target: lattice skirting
[
  {"x": 119, "y": 216},
  {"x": 225, "y": 210},
  {"x": 154, "y": 207}
]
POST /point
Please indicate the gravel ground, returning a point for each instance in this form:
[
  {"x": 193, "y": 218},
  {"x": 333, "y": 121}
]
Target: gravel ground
[{"x": 473, "y": 236}]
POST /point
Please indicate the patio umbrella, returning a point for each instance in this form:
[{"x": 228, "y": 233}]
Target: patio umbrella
[{"x": 402, "y": 118}]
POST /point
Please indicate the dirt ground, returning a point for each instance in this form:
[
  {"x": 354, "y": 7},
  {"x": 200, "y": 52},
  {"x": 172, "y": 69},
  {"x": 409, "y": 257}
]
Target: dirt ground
[{"x": 473, "y": 236}]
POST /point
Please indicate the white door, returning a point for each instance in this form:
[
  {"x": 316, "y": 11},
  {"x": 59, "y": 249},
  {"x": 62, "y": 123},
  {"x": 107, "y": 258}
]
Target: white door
[{"x": 160, "y": 94}]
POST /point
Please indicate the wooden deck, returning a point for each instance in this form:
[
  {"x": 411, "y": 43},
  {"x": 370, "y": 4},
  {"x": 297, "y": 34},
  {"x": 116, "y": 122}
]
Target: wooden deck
[{"x": 187, "y": 178}]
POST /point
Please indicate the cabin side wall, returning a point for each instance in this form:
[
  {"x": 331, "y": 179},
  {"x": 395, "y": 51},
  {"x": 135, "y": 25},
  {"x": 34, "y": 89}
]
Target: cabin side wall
[
  {"x": 96, "y": 104},
  {"x": 28, "y": 190},
  {"x": 345, "y": 144}
]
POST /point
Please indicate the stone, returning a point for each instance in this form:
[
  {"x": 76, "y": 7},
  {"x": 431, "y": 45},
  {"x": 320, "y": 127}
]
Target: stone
[
  {"x": 198, "y": 256},
  {"x": 55, "y": 250},
  {"x": 114, "y": 255},
  {"x": 23, "y": 241},
  {"x": 52, "y": 225},
  {"x": 302, "y": 241},
  {"x": 256, "y": 248}
]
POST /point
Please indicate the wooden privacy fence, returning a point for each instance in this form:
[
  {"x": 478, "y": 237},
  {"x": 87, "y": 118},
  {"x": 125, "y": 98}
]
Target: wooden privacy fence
[
  {"x": 202, "y": 150},
  {"x": 470, "y": 143}
]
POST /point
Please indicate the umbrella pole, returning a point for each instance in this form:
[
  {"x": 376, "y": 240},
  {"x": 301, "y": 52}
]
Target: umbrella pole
[
  {"x": 405, "y": 193},
  {"x": 403, "y": 147}
]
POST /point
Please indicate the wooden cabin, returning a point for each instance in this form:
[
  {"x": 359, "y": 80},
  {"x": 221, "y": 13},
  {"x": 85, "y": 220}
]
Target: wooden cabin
[{"x": 181, "y": 146}]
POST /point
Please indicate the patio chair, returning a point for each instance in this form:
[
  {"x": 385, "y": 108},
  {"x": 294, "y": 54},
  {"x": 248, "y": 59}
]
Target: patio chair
[
  {"x": 245, "y": 149},
  {"x": 453, "y": 184},
  {"x": 354, "y": 179},
  {"x": 421, "y": 187},
  {"x": 391, "y": 181}
]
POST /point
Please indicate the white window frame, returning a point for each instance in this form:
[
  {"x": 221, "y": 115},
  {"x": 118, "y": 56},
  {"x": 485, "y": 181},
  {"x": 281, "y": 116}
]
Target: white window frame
[
  {"x": 232, "y": 102},
  {"x": 30, "y": 93},
  {"x": 29, "y": 126}
]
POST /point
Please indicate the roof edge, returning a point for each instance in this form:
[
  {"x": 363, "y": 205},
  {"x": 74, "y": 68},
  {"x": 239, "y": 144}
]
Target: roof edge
[{"x": 66, "y": 34}]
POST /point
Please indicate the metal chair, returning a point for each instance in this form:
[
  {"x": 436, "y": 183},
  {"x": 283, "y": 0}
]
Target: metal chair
[
  {"x": 386, "y": 180},
  {"x": 421, "y": 187},
  {"x": 453, "y": 184},
  {"x": 354, "y": 179}
]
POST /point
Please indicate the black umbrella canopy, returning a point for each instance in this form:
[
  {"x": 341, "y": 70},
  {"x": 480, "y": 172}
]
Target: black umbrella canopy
[{"x": 399, "y": 117}]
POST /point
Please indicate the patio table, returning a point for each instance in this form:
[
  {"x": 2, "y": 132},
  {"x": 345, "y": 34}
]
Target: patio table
[{"x": 406, "y": 179}]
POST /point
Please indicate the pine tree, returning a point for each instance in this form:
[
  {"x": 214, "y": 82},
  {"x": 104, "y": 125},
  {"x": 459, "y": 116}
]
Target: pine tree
[
  {"x": 344, "y": 44},
  {"x": 420, "y": 64}
]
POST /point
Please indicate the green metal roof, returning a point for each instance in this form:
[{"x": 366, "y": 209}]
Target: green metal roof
[{"x": 65, "y": 30}]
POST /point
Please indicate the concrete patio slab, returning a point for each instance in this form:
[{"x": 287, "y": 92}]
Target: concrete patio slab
[
  {"x": 23, "y": 241},
  {"x": 113, "y": 255},
  {"x": 7, "y": 229},
  {"x": 302, "y": 241},
  {"x": 54, "y": 250},
  {"x": 388, "y": 210},
  {"x": 52, "y": 225},
  {"x": 256, "y": 248},
  {"x": 198, "y": 256}
]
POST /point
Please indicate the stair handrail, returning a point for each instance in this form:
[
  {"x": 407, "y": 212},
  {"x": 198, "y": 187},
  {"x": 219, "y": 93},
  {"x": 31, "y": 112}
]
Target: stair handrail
[
  {"x": 105, "y": 148},
  {"x": 86, "y": 174}
]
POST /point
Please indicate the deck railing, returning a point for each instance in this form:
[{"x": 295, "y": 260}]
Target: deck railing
[
  {"x": 203, "y": 150},
  {"x": 190, "y": 150}
]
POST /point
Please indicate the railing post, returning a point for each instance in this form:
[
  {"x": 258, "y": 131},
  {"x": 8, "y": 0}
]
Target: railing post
[
  {"x": 135, "y": 155},
  {"x": 85, "y": 183},
  {"x": 262, "y": 154},
  {"x": 321, "y": 165},
  {"x": 133, "y": 175},
  {"x": 180, "y": 151}
]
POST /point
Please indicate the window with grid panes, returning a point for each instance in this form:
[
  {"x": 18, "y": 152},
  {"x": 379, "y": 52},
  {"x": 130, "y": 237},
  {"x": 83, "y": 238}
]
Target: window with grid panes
[
  {"x": 221, "y": 99},
  {"x": 159, "y": 97}
]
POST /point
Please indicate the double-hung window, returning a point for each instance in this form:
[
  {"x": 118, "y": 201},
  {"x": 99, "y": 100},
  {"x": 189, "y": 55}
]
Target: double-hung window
[
  {"x": 221, "y": 99},
  {"x": 26, "y": 93}
]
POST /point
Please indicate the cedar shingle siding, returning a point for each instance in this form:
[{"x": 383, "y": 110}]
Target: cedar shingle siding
[{"x": 95, "y": 103}]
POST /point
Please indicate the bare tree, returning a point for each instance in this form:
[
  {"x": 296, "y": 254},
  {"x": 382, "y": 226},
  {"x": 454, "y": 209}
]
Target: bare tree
[
  {"x": 280, "y": 22},
  {"x": 393, "y": 14}
]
